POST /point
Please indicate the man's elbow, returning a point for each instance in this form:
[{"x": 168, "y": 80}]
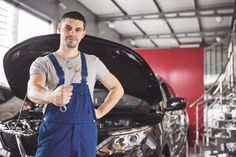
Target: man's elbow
[
  {"x": 31, "y": 96},
  {"x": 121, "y": 90}
]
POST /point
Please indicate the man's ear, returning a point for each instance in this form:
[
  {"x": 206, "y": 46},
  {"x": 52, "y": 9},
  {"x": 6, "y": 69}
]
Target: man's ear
[
  {"x": 59, "y": 28},
  {"x": 84, "y": 33}
]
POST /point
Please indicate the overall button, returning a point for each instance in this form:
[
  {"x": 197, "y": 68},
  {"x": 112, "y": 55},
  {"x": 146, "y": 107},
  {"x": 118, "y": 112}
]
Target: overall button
[{"x": 81, "y": 93}]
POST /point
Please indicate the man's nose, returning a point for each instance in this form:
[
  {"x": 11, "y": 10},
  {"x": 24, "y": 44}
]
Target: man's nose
[{"x": 72, "y": 32}]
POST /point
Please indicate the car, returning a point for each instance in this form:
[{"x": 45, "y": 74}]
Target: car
[
  {"x": 9, "y": 104},
  {"x": 148, "y": 121}
]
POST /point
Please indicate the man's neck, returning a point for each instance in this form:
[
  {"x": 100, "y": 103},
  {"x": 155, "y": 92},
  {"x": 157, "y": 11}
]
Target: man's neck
[{"x": 67, "y": 53}]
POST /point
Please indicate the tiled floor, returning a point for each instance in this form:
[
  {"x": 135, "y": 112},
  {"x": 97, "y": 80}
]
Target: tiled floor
[{"x": 207, "y": 153}]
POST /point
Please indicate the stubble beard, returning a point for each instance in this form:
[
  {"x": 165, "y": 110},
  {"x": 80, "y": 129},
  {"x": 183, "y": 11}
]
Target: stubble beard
[{"x": 71, "y": 44}]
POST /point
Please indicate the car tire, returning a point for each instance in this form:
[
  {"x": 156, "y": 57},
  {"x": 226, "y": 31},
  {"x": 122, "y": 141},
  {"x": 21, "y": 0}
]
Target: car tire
[
  {"x": 166, "y": 151},
  {"x": 15, "y": 155}
]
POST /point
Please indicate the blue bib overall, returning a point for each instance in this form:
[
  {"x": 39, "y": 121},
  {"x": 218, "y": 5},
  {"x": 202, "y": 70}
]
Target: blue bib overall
[{"x": 72, "y": 133}]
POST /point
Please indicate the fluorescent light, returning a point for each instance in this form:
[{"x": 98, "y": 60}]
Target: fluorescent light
[
  {"x": 62, "y": 5},
  {"x": 189, "y": 45}
]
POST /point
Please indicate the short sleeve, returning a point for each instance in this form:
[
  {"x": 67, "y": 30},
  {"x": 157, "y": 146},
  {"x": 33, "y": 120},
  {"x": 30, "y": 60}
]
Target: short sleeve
[
  {"x": 39, "y": 66},
  {"x": 102, "y": 70}
]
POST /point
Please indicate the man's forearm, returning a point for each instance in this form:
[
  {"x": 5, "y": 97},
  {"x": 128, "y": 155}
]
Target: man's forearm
[
  {"x": 39, "y": 94},
  {"x": 111, "y": 100}
]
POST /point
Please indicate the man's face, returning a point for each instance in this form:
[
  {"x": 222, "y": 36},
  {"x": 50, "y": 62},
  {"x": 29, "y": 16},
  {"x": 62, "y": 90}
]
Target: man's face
[{"x": 72, "y": 31}]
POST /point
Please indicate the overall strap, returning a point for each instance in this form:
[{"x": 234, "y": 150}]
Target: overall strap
[
  {"x": 84, "y": 71},
  {"x": 84, "y": 79},
  {"x": 58, "y": 68}
]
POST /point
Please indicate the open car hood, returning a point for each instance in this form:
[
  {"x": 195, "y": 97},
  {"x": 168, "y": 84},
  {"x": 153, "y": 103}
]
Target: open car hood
[{"x": 131, "y": 70}]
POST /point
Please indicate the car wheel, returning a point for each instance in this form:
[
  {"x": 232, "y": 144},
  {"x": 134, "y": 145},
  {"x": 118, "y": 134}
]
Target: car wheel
[
  {"x": 166, "y": 152},
  {"x": 15, "y": 155}
]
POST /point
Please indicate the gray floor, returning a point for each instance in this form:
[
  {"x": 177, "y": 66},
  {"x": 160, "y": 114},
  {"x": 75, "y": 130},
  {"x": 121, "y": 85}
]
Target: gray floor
[{"x": 204, "y": 152}]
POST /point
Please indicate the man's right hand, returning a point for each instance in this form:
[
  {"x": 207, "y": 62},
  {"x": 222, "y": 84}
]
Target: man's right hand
[
  {"x": 41, "y": 95},
  {"x": 61, "y": 95}
]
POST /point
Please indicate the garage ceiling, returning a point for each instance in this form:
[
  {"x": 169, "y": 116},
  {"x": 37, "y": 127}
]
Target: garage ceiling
[{"x": 166, "y": 23}]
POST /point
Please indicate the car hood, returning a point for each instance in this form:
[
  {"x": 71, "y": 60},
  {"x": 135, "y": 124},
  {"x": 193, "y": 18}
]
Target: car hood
[{"x": 132, "y": 71}]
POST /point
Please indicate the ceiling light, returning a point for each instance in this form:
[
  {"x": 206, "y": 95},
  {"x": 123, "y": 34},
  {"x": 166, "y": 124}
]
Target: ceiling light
[
  {"x": 218, "y": 39},
  {"x": 208, "y": 12},
  {"x": 62, "y": 5},
  {"x": 173, "y": 41},
  {"x": 151, "y": 16},
  {"x": 132, "y": 42},
  {"x": 171, "y": 15},
  {"x": 165, "y": 36},
  {"x": 136, "y": 17},
  {"x": 219, "y": 19},
  {"x": 111, "y": 25},
  {"x": 152, "y": 36},
  {"x": 189, "y": 45}
]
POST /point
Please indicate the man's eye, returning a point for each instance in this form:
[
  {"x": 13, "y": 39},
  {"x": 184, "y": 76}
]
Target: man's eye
[
  {"x": 78, "y": 30},
  {"x": 68, "y": 28}
]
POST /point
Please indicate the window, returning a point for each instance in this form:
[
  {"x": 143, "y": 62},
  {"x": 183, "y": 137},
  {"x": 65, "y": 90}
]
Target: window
[
  {"x": 7, "y": 19},
  {"x": 17, "y": 25},
  {"x": 30, "y": 26}
]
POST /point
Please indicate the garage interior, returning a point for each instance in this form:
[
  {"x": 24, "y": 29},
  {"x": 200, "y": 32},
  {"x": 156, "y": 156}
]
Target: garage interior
[{"x": 208, "y": 25}]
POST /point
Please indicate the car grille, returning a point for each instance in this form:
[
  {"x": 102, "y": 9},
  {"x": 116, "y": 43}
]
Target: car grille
[
  {"x": 9, "y": 142},
  {"x": 19, "y": 136}
]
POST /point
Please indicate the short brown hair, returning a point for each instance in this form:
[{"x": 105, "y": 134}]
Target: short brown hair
[{"x": 74, "y": 15}]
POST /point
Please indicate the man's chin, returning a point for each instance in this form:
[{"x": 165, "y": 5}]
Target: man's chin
[{"x": 71, "y": 46}]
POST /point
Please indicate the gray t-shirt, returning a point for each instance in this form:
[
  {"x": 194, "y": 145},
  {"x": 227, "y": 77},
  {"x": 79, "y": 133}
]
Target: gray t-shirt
[{"x": 96, "y": 70}]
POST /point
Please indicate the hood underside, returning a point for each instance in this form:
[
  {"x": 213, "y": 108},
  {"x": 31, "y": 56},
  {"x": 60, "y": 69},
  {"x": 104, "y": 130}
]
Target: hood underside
[{"x": 132, "y": 71}]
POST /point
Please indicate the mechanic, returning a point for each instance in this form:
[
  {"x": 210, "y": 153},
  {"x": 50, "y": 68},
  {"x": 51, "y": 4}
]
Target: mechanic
[{"x": 65, "y": 80}]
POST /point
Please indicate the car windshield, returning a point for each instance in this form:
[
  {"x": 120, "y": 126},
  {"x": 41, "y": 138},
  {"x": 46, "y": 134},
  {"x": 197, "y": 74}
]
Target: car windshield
[{"x": 127, "y": 103}]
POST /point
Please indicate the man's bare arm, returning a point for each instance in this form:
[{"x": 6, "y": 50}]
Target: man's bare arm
[
  {"x": 40, "y": 95},
  {"x": 116, "y": 91}
]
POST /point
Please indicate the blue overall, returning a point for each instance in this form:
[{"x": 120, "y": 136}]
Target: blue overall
[{"x": 72, "y": 133}]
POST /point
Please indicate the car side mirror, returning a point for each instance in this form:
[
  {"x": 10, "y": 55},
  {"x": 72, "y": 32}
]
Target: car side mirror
[{"x": 176, "y": 103}]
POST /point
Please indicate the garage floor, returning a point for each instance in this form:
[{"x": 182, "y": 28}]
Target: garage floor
[
  {"x": 201, "y": 154},
  {"x": 207, "y": 153}
]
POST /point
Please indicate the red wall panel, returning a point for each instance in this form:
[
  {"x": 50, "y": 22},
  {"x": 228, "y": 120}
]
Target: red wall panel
[{"x": 183, "y": 70}]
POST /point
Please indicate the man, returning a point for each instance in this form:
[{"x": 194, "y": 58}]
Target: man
[{"x": 68, "y": 128}]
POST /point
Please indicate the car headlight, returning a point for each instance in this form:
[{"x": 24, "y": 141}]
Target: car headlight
[{"x": 122, "y": 141}]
